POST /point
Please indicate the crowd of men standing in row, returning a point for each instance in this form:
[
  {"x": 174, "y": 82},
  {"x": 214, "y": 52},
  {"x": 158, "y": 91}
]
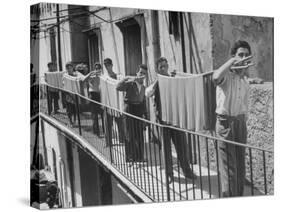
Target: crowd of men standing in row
[{"x": 232, "y": 92}]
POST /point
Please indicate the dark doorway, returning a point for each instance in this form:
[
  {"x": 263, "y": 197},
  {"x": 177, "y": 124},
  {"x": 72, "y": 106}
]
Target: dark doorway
[
  {"x": 132, "y": 45},
  {"x": 53, "y": 46},
  {"x": 89, "y": 175},
  {"x": 94, "y": 49},
  {"x": 106, "y": 187},
  {"x": 69, "y": 152}
]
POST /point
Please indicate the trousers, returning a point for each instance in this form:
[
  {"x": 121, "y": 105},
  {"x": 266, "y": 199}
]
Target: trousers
[
  {"x": 231, "y": 157},
  {"x": 53, "y": 101},
  {"x": 134, "y": 133},
  {"x": 180, "y": 141},
  {"x": 96, "y": 110}
]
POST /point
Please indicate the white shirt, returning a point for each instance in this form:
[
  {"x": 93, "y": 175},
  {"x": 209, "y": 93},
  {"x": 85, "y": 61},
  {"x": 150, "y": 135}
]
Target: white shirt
[
  {"x": 138, "y": 85},
  {"x": 232, "y": 95}
]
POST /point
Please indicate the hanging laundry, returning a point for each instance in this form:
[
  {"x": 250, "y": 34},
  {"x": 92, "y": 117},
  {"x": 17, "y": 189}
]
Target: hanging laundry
[
  {"x": 54, "y": 78},
  {"x": 187, "y": 101},
  {"x": 75, "y": 85},
  {"x": 109, "y": 95}
]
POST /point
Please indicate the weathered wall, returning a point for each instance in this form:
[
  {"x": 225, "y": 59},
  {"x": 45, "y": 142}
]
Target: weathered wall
[
  {"x": 260, "y": 116},
  {"x": 201, "y": 41},
  {"x": 112, "y": 38},
  {"x": 55, "y": 141},
  {"x": 44, "y": 55},
  {"x": 196, "y": 29},
  {"x": 258, "y": 31},
  {"x": 260, "y": 133}
]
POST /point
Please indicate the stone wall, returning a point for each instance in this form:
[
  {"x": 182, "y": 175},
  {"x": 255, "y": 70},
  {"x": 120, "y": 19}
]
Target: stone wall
[
  {"x": 258, "y": 31},
  {"x": 260, "y": 116},
  {"x": 260, "y": 134}
]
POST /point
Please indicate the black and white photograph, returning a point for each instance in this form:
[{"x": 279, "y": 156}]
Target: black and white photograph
[{"x": 132, "y": 105}]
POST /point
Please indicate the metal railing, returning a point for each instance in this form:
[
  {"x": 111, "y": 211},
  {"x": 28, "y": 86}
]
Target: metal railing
[{"x": 143, "y": 152}]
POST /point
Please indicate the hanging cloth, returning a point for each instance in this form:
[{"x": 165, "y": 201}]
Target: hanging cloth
[
  {"x": 186, "y": 101},
  {"x": 109, "y": 94},
  {"x": 54, "y": 78}
]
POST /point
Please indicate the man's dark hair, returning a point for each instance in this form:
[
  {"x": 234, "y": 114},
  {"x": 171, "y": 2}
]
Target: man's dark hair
[
  {"x": 107, "y": 61},
  {"x": 240, "y": 44},
  {"x": 143, "y": 66},
  {"x": 160, "y": 60},
  {"x": 79, "y": 67},
  {"x": 50, "y": 64},
  {"x": 97, "y": 65},
  {"x": 69, "y": 64}
]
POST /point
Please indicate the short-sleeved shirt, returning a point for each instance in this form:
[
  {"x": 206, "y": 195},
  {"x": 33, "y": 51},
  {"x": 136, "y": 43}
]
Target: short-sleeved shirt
[{"x": 232, "y": 95}]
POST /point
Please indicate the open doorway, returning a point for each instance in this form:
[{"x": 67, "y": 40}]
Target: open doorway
[
  {"x": 94, "y": 47},
  {"x": 131, "y": 31}
]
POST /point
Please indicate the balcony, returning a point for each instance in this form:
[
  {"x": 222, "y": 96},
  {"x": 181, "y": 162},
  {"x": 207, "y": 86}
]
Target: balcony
[{"x": 106, "y": 135}]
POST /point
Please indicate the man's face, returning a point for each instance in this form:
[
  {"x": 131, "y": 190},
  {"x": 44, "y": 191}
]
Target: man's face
[
  {"x": 86, "y": 69},
  {"x": 52, "y": 67},
  {"x": 108, "y": 66},
  {"x": 163, "y": 67},
  {"x": 141, "y": 75},
  {"x": 242, "y": 53},
  {"x": 98, "y": 69},
  {"x": 69, "y": 69}
]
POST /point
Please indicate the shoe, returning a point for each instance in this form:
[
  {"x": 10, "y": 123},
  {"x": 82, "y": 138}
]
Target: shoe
[{"x": 189, "y": 174}]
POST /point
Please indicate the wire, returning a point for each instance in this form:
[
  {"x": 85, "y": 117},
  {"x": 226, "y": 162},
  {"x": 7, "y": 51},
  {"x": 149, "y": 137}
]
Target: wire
[
  {"x": 71, "y": 19},
  {"x": 68, "y": 15}
]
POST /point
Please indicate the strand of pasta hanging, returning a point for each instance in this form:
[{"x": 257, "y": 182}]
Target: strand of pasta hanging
[
  {"x": 54, "y": 78},
  {"x": 187, "y": 101},
  {"x": 109, "y": 94}
]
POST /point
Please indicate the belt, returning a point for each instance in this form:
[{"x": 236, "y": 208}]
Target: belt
[{"x": 232, "y": 117}]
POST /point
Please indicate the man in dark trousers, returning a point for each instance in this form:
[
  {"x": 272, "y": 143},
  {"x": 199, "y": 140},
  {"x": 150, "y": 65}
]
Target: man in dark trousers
[
  {"x": 134, "y": 103},
  {"x": 178, "y": 138},
  {"x": 232, "y": 92},
  {"x": 109, "y": 115}
]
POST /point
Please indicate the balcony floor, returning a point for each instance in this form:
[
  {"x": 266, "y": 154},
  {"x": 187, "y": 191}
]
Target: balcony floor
[{"x": 149, "y": 176}]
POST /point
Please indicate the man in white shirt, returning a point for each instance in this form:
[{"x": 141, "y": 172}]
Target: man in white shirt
[
  {"x": 110, "y": 115},
  {"x": 232, "y": 91},
  {"x": 94, "y": 92}
]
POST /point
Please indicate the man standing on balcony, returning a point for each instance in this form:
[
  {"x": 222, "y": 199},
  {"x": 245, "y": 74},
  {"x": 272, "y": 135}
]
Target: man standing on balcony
[
  {"x": 94, "y": 92},
  {"x": 178, "y": 138},
  {"x": 134, "y": 103},
  {"x": 53, "y": 93},
  {"x": 69, "y": 97},
  {"x": 108, "y": 115},
  {"x": 232, "y": 91}
]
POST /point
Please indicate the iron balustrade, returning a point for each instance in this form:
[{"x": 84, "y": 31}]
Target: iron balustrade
[{"x": 135, "y": 146}]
